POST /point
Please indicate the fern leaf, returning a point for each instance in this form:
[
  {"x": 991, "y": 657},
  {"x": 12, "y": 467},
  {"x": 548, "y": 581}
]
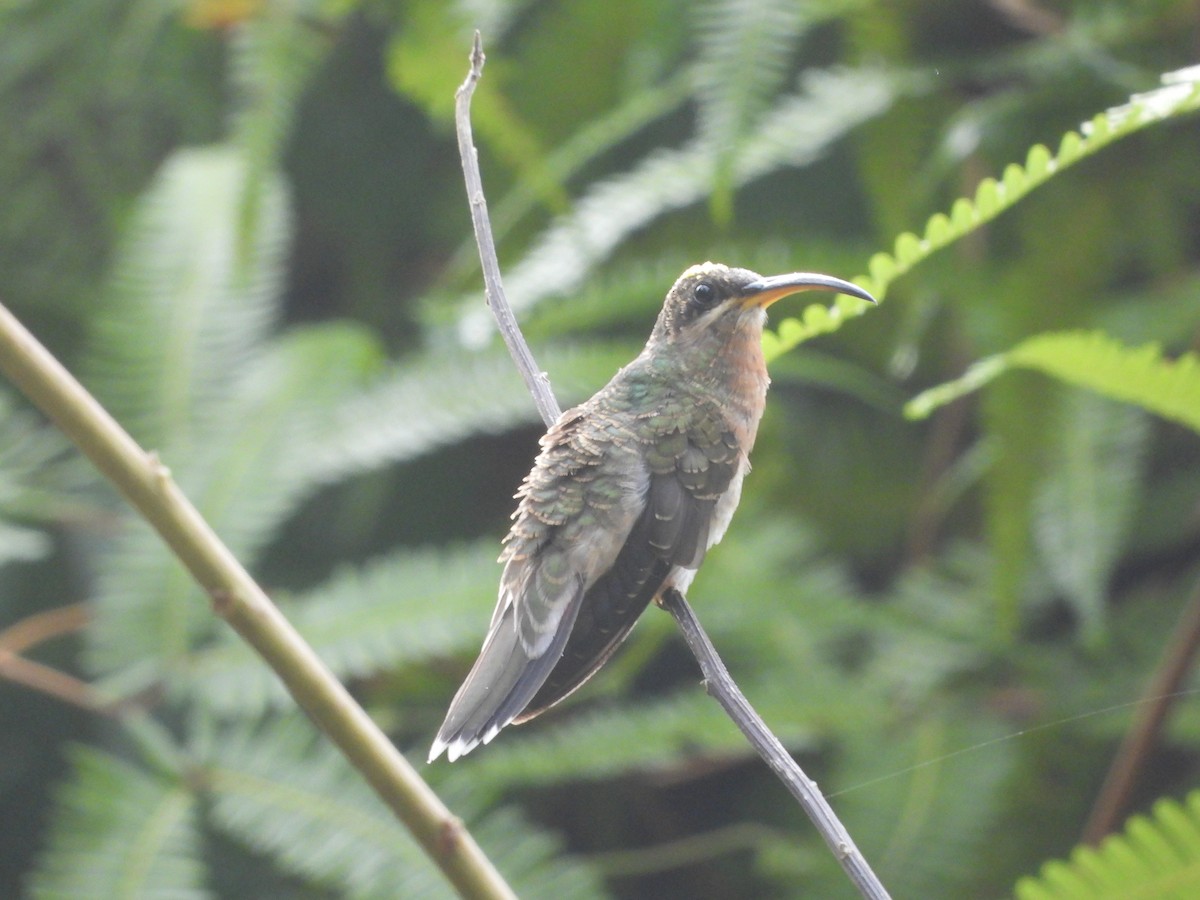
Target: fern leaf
[
  {"x": 254, "y": 467},
  {"x": 1095, "y": 361},
  {"x": 245, "y": 480},
  {"x": 281, "y": 792},
  {"x": 632, "y": 737},
  {"x": 41, "y": 480},
  {"x": 186, "y": 308},
  {"x": 409, "y": 607},
  {"x": 533, "y": 861},
  {"x": 272, "y": 55},
  {"x": 796, "y": 131},
  {"x": 121, "y": 832},
  {"x": 1083, "y": 505},
  {"x": 975, "y": 377},
  {"x": 926, "y": 827},
  {"x": 929, "y": 631},
  {"x": 595, "y": 138},
  {"x": 440, "y": 399},
  {"x": 791, "y": 667},
  {"x": 1180, "y": 96},
  {"x": 295, "y": 799},
  {"x": 1090, "y": 359},
  {"x": 1156, "y": 856},
  {"x": 425, "y": 64},
  {"x": 743, "y": 52}
]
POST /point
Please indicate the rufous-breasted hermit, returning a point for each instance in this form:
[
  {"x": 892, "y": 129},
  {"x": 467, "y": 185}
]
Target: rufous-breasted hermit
[{"x": 629, "y": 491}]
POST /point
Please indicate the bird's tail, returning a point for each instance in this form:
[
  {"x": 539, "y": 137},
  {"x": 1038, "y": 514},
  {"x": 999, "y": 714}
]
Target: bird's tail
[{"x": 499, "y": 686}]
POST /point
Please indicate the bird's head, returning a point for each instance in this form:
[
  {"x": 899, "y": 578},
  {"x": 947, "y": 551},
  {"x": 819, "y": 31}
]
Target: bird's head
[{"x": 713, "y": 299}]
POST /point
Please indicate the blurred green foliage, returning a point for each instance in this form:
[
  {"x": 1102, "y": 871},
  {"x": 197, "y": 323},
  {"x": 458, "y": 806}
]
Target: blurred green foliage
[
  {"x": 1145, "y": 859},
  {"x": 243, "y": 224}
]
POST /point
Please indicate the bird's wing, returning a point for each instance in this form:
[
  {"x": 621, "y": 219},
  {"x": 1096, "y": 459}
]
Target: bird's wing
[
  {"x": 601, "y": 524},
  {"x": 499, "y": 685},
  {"x": 689, "y": 471},
  {"x": 555, "y": 549}
]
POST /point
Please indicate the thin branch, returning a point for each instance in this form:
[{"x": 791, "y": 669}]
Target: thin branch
[
  {"x": 148, "y": 485},
  {"x": 34, "y": 629},
  {"x": 1137, "y": 745},
  {"x": 47, "y": 680},
  {"x": 717, "y": 679},
  {"x": 721, "y": 687},
  {"x": 535, "y": 379}
]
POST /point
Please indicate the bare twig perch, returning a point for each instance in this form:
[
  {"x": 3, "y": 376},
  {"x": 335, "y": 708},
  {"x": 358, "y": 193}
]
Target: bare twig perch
[
  {"x": 148, "y": 485},
  {"x": 717, "y": 679},
  {"x": 721, "y": 686},
  {"x": 535, "y": 379}
]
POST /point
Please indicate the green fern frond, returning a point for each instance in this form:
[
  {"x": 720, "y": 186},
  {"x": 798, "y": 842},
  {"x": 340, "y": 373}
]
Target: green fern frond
[
  {"x": 406, "y": 608},
  {"x": 534, "y": 862},
  {"x": 1155, "y": 856},
  {"x": 254, "y": 467},
  {"x": 142, "y": 616},
  {"x": 245, "y": 479},
  {"x": 272, "y": 57},
  {"x": 283, "y": 793},
  {"x": 768, "y": 574},
  {"x": 928, "y": 826},
  {"x": 600, "y": 743},
  {"x": 445, "y": 397},
  {"x": 186, "y": 308},
  {"x": 41, "y": 480},
  {"x": 796, "y": 131},
  {"x": 1083, "y": 505},
  {"x": 742, "y": 57},
  {"x": 930, "y": 629},
  {"x": 1180, "y": 96},
  {"x": 1090, "y": 359},
  {"x": 119, "y": 831},
  {"x": 597, "y": 137},
  {"x": 426, "y": 63}
]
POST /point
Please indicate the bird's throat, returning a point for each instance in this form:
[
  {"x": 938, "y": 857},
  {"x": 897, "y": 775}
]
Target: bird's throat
[
  {"x": 732, "y": 372},
  {"x": 748, "y": 381}
]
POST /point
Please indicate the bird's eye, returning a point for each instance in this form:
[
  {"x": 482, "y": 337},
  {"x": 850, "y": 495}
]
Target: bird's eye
[{"x": 704, "y": 294}]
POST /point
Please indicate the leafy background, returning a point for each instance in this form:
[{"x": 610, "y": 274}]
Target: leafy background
[{"x": 243, "y": 224}]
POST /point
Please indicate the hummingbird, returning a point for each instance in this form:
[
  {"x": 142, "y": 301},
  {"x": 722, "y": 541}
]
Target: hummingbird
[{"x": 629, "y": 491}]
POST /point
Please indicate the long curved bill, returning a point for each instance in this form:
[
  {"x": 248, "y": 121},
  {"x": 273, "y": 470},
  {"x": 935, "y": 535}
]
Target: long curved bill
[{"x": 766, "y": 291}]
